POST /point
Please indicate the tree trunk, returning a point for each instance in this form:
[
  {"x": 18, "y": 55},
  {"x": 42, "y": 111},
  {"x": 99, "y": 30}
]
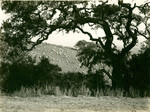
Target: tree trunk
[
  {"x": 118, "y": 65},
  {"x": 116, "y": 77},
  {"x": 121, "y": 75}
]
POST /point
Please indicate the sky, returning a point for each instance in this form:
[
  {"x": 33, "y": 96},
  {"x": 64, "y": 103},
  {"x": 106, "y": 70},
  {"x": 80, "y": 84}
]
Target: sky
[{"x": 70, "y": 39}]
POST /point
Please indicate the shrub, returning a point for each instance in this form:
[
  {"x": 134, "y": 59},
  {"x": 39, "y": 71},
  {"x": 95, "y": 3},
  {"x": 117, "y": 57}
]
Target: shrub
[
  {"x": 74, "y": 82},
  {"x": 95, "y": 82},
  {"x": 16, "y": 74},
  {"x": 46, "y": 73},
  {"x": 71, "y": 80},
  {"x": 140, "y": 72},
  {"x": 26, "y": 73}
]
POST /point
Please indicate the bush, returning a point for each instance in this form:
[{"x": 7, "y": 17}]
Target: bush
[
  {"x": 26, "y": 73},
  {"x": 46, "y": 73},
  {"x": 76, "y": 81},
  {"x": 140, "y": 72},
  {"x": 71, "y": 81},
  {"x": 16, "y": 74},
  {"x": 95, "y": 82}
]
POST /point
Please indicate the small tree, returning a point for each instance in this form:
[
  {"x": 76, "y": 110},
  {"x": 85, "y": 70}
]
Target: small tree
[{"x": 46, "y": 73}]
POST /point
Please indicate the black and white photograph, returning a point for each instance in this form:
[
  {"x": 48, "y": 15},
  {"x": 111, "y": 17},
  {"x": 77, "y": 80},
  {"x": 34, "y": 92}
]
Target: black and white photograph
[{"x": 74, "y": 55}]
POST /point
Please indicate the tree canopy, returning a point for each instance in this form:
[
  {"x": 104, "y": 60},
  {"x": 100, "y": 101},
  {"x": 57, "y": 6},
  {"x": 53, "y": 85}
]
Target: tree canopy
[{"x": 40, "y": 19}]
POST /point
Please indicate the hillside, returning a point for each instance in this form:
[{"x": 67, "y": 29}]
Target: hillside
[{"x": 65, "y": 57}]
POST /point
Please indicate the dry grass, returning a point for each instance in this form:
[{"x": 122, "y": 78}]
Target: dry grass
[
  {"x": 55, "y": 90},
  {"x": 73, "y": 104},
  {"x": 82, "y": 91},
  {"x": 35, "y": 100}
]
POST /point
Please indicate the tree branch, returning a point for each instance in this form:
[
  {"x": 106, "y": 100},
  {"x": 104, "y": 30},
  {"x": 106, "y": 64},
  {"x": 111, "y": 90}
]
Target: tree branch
[
  {"x": 139, "y": 32},
  {"x": 142, "y": 34},
  {"x": 109, "y": 35},
  {"x": 107, "y": 73},
  {"x": 101, "y": 43},
  {"x": 91, "y": 37},
  {"x": 47, "y": 33},
  {"x": 127, "y": 27},
  {"x": 89, "y": 34}
]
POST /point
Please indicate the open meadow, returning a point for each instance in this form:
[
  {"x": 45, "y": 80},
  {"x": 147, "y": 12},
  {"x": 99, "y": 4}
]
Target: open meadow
[{"x": 73, "y": 104}]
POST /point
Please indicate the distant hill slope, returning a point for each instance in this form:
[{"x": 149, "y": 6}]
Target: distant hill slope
[{"x": 64, "y": 57}]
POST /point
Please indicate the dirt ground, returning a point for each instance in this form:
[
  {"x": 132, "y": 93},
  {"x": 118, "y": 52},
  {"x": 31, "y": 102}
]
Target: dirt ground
[{"x": 73, "y": 104}]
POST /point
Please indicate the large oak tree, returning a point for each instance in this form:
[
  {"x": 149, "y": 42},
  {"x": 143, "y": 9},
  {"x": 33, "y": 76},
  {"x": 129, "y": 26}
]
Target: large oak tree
[{"x": 38, "y": 19}]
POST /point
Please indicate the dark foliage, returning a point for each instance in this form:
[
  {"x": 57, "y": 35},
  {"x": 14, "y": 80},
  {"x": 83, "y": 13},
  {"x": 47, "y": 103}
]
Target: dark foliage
[
  {"x": 72, "y": 80},
  {"x": 46, "y": 73},
  {"x": 16, "y": 74},
  {"x": 27, "y": 73},
  {"x": 140, "y": 72},
  {"x": 75, "y": 81},
  {"x": 95, "y": 82}
]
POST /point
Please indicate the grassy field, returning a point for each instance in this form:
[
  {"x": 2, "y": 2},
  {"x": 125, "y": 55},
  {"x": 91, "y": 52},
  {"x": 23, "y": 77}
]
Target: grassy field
[{"x": 73, "y": 104}]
